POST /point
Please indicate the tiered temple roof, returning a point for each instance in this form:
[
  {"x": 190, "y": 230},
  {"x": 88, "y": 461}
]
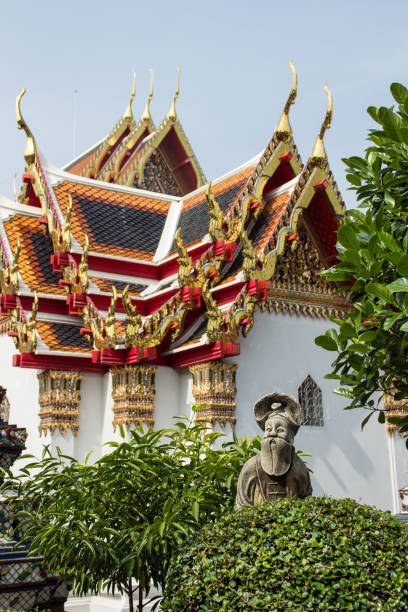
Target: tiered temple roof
[{"x": 127, "y": 255}]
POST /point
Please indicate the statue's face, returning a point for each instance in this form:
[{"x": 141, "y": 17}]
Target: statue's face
[
  {"x": 278, "y": 427},
  {"x": 277, "y": 445}
]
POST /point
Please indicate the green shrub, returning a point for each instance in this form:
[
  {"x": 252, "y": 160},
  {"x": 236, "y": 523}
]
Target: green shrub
[{"x": 311, "y": 554}]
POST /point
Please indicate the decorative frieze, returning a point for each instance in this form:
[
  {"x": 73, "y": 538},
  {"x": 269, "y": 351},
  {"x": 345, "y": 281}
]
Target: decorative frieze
[
  {"x": 214, "y": 390},
  {"x": 59, "y": 398},
  {"x": 133, "y": 391}
]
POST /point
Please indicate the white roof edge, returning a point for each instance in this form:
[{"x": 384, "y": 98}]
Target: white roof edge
[
  {"x": 251, "y": 162},
  {"x": 61, "y": 175},
  {"x": 17, "y": 207},
  {"x": 169, "y": 229},
  {"x": 285, "y": 188},
  {"x": 84, "y": 154},
  {"x": 48, "y": 317}
]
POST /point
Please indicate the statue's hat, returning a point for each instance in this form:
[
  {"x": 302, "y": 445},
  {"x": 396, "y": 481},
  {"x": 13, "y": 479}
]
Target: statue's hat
[{"x": 280, "y": 404}]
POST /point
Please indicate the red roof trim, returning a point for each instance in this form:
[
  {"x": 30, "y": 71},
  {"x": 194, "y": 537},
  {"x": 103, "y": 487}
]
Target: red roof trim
[
  {"x": 57, "y": 362},
  {"x": 205, "y": 352}
]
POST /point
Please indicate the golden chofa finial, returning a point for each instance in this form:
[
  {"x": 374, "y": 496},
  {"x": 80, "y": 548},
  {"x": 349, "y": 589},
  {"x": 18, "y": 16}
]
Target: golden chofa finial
[
  {"x": 283, "y": 130},
  {"x": 146, "y": 117},
  {"x": 30, "y": 149},
  {"x": 172, "y": 115},
  {"x": 128, "y": 114},
  {"x": 319, "y": 155}
]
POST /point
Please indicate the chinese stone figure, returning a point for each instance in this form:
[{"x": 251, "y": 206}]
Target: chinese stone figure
[{"x": 277, "y": 471}]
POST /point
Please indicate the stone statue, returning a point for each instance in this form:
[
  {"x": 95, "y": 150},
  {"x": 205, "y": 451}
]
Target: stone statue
[{"x": 277, "y": 472}]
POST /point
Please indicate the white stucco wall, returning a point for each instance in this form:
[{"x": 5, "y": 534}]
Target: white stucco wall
[
  {"x": 277, "y": 355},
  {"x": 168, "y": 403},
  {"x": 22, "y": 393}
]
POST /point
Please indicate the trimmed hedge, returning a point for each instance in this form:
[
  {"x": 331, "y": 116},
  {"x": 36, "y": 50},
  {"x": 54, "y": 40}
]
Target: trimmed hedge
[{"x": 310, "y": 554}]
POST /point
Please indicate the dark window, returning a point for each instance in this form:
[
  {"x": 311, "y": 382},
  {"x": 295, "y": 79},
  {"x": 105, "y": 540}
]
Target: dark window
[{"x": 310, "y": 399}]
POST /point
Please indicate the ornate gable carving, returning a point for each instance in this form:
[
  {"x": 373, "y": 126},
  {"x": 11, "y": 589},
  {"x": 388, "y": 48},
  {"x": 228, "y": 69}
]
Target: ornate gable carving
[
  {"x": 297, "y": 287},
  {"x": 157, "y": 176}
]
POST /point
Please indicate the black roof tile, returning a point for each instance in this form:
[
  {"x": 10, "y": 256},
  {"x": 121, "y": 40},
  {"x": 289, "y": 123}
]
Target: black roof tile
[
  {"x": 122, "y": 226},
  {"x": 68, "y": 335},
  {"x": 194, "y": 222},
  {"x": 120, "y": 285},
  {"x": 43, "y": 250}
]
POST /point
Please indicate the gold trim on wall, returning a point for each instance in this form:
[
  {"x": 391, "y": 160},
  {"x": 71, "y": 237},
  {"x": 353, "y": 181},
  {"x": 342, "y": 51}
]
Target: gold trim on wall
[
  {"x": 133, "y": 392},
  {"x": 214, "y": 390},
  {"x": 59, "y": 399}
]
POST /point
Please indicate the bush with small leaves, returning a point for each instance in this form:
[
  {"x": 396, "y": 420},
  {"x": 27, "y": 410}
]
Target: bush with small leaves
[
  {"x": 116, "y": 523},
  {"x": 309, "y": 554}
]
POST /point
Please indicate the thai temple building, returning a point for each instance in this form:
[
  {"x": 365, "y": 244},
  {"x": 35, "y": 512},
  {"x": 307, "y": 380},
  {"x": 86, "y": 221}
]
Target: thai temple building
[{"x": 132, "y": 287}]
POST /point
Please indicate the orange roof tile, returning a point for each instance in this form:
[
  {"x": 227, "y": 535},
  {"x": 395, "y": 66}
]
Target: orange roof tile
[
  {"x": 36, "y": 248},
  {"x": 218, "y": 188},
  {"x": 106, "y": 285},
  {"x": 261, "y": 232},
  {"x": 117, "y": 223},
  {"x": 63, "y": 337}
]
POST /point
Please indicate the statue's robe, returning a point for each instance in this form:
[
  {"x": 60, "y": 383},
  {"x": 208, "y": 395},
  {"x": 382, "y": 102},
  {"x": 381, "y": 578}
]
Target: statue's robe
[{"x": 255, "y": 486}]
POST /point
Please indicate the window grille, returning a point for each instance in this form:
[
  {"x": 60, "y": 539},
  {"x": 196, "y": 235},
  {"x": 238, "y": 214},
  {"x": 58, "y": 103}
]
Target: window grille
[{"x": 310, "y": 400}]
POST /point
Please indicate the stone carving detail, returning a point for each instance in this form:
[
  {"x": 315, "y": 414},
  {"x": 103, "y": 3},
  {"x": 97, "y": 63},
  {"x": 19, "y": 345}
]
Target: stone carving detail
[
  {"x": 157, "y": 176},
  {"x": 276, "y": 472},
  {"x": 214, "y": 384},
  {"x": 4, "y": 405},
  {"x": 311, "y": 402},
  {"x": 133, "y": 391},
  {"x": 59, "y": 399}
]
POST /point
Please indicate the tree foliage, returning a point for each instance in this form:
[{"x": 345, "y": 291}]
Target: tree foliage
[
  {"x": 372, "y": 339},
  {"x": 304, "y": 554},
  {"x": 124, "y": 516}
]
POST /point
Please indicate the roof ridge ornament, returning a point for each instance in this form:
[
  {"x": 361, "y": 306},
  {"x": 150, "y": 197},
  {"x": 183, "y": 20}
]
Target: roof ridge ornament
[
  {"x": 319, "y": 155},
  {"x": 215, "y": 228},
  {"x": 146, "y": 117},
  {"x": 128, "y": 114},
  {"x": 283, "y": 129},
  {"x": 30, "y": 149},
  {"x": 172, "y": 115}
]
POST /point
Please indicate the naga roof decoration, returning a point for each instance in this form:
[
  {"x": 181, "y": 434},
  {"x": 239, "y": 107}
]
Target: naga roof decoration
[
  {"x": 95, "y": 275},
  {"x": 141, "y": 155}
]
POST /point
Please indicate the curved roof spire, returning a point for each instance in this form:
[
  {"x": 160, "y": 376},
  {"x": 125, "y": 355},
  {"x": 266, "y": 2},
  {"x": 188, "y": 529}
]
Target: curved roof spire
[
  {"x": 146, "y": 117},
  {"x": 128, "y": 114},
  {"x": 30, "y": 149},
  {"x": 319, "y": 155},
  {"x": 172, "y": 115},
  {"x": 283, "y": 129}
]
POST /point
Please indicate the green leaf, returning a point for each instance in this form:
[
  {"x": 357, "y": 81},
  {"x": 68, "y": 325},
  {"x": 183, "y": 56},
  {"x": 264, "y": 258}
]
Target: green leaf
[
  {"x": 399, "y": 93},
  {"x": 326, "y": 342},
  {"x": 358, "y": 347},
  {"x": 347, "y": 237},
  {"x": 373, "y": 112},
  {"x": 379, "y": 291},
  {"x": 195, "y": 510},
  {"x": 347, "y": 330},
  {"x": 391, "y": 124},
  {"x": 389, "y": 321},
  {"x": 400, "y": 284},
  {"x": 402, "y": 267},
  {"x": 366, "y": 419},
  {"x": 354, "y": 179}
]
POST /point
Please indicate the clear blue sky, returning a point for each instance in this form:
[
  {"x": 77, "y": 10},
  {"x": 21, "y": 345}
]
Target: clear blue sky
[{"x": 235, "y": 76}]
